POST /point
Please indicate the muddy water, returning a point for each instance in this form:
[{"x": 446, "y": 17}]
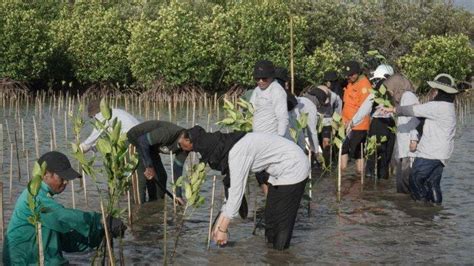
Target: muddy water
[{"x": 369, "y": 224}]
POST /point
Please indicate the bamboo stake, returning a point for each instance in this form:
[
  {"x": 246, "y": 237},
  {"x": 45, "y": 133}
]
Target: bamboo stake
[
  {"x": 1, "y": 146},
  {"x": 362, "y": 158},
  {"x": 165, "y": 231},
  {"x": 27, "y": 165},
  {"x": 36, "y": 138},
  {"x": 172, "y": 181},
  {"x": 292, "y": 65},
  {"x": 107, "y": 236},
  {"x": 22, "y": 134},
  {"x": 40, "y": 244},
  {"x": 310, "y": 180},
  {"x": 11, "y": 170},
  {"x": 211, "y": 212},
  {"x": 54, "y": 132},
  {"x": 65, "y": 127},
  {"x": 2, "y": 221},
  {"x": 169, "y": 110},
  {"x": 8, "y": 131},
  {"x": 17, "y": 158},
  {"x": 339, "y": 170}
]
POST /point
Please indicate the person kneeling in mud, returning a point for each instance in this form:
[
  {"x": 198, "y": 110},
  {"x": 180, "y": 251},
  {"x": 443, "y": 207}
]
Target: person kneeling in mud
[
  {"x": 437, "y": 142},
  {"x": 281, "y": 158}
]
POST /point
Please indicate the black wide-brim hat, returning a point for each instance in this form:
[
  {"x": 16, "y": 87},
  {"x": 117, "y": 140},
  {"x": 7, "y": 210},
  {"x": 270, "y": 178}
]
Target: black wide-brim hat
[{"x": 264, "y": 69}]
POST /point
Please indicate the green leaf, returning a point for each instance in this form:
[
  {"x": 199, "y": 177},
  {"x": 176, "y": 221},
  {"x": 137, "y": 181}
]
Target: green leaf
[
  {"x": 103, "y": 146},
  {"x": 337, "y": 142},
  {"x": 105, "y": 109},
  {"x": 382, "y": 89},
  {"x": 336, "y": 117}
]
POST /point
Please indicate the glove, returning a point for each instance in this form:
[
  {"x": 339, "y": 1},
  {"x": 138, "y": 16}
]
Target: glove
[{"x": 116, "y": 227}]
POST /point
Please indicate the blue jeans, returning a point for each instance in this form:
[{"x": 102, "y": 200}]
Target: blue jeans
[{"x": 425, "y": 179}]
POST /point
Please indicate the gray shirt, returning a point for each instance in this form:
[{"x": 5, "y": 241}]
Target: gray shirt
[
  {"x": 271, "y": 113},
  {"x": 281, "y": 158},
  {"x": 439, "y": 129}
]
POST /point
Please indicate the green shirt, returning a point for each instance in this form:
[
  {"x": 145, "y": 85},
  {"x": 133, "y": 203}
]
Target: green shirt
[{"x": 62, "y": 229}]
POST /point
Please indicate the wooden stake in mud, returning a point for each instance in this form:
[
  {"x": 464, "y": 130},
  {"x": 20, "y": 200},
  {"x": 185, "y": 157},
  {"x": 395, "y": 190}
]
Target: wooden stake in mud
[
  {"x": 339, "y": 170},
  {"x": 36, "y": 138},
  {"x": 172, "y": 182},
  {"x": 1, "y": 146},
  {"x": 2, "y": 222},
  {"x": 11, "y": 170},
  {"x": 22, "y": 134},
  {"x": 107, "y": 235},
  {"x": 17, "y": 158},
  {"x": 165, "y": 231},
  {"x": 27, "y": 164},
  {"x": 292, "y": 65},
  {"x": 65, "y": 127},
  {"x": 40, "y": 244},
  {"x": 310, "y": 193},
  {"x": 362, "y": 158},
  {"x": 211, "y": 212}
]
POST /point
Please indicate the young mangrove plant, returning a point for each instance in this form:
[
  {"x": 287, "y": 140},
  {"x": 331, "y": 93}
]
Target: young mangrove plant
[
  {"x": 339, "y": 136},
  {"x": 371, "y": 148},
  {"x": 301, "y": 124},
  {"x": 34, "y": 205},
  {"x": 238, "y": 118},
  {"x": 118, "y": 163},
  {"x": 192, "y": 187}
]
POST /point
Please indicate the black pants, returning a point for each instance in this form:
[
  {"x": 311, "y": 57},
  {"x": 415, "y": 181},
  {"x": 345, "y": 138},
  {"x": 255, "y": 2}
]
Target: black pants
[
  {"x": 379, "y": 127},
  {"x": 352, "y": 143},
  {"x": 280, "y": 213},
  {"x": 154, "y": 191},
  {"x": 326, "y": 132}
]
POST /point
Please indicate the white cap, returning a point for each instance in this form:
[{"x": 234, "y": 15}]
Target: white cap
[{"x": 381, "y": 71}]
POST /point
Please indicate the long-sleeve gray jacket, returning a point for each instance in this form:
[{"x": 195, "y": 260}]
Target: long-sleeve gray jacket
[
  {"x": 439, "y": 129},
  {"x": 406, "y": 128},
  {"x": 271, "y": 113},
  {"x": 281, "y": 158}
]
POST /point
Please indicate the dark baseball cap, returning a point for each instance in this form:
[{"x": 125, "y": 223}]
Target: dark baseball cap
[
  {"x": 59, "y": 164},
  {"x": 351, "y": 68},
  {"x": 264, "y": 69},
  {"x": 330, "y": 76}
]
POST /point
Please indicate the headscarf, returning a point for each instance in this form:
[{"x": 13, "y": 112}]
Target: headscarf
[
  {"x": 397, "y": 85},
  {"x": 214, "y": 147}
]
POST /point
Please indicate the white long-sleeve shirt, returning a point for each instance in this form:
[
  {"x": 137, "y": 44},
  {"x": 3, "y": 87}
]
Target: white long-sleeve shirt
[
  {"x": 439, "y": 129},
  {"x": 406, "y": 128},
  {"x": 271, "y": 112},
  {"x": 305, "y": 105},
  {"x": 128, "y": 121},
  {"x": 365, "y": 109},
  {"x": 281, "y": 158}
]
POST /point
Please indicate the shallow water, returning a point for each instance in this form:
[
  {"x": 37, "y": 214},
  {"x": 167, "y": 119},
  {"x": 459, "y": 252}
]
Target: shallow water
[{"x": 370, "y": 224}]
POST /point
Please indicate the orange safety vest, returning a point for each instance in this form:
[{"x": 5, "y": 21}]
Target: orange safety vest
[{"x": 354, "y": 95}]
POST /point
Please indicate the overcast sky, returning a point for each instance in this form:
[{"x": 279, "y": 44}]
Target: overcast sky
[{"x": 468, "y": 4}]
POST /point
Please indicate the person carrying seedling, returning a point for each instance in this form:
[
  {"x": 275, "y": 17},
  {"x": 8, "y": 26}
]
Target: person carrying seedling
[
  {"x": 93, "y": 111},
  {"x": 437, "y": 142},
  {"x": 63, "y": 229},
  {"x": 271, "y": 110},
  {"x": 152, "y": 138},
  {"x": 402, "y": 93},
  {"x": 355, "y": 93},
  {"x": 281, "y": 158},
  {"x": 380, "y": 124}
]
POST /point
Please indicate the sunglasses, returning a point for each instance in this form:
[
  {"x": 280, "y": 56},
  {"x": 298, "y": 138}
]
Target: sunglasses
[{"x": 262, "y": 79}]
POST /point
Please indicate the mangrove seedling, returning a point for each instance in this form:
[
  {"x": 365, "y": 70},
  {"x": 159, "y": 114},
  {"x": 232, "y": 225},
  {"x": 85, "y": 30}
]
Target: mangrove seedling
[
  {"x": 301, "y": 124},
  {"x": 192, "y": 187},
  {"x": 34, "y": 205},
  {"x": 238, "y": 118}
]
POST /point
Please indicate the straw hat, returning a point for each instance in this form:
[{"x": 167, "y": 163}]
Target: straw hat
[{"x": 444, "y": 82}]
